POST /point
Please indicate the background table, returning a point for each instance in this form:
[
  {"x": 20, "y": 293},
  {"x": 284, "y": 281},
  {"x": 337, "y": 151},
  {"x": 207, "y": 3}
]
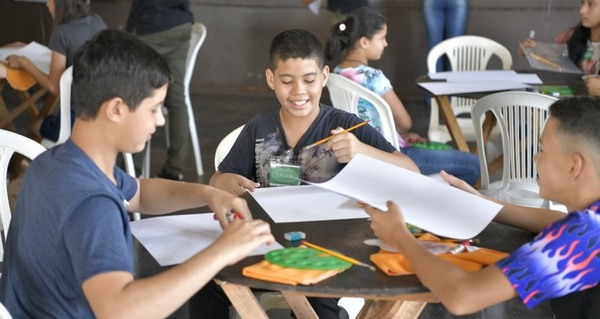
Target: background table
[{"x": 572, "y": 80}]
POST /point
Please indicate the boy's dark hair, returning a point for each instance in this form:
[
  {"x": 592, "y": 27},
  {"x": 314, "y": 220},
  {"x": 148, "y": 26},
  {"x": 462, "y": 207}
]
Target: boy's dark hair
[
  {"x": 115, "y": 64},
  {"x": 364, "y": 22},
  {"x": 68, "y": 10},
  {"x": 294, "y": 43},
  {"x": 578, "y": 119}
]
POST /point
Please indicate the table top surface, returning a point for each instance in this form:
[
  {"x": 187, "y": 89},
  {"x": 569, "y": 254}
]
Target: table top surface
[
  {"x": 549, "y": 78},
  {"x": 347, "y": 237}
]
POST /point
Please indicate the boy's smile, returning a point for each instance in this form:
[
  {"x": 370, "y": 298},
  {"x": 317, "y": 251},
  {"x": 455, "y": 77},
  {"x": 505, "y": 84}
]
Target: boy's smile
[{"x": 298, "y": 84}]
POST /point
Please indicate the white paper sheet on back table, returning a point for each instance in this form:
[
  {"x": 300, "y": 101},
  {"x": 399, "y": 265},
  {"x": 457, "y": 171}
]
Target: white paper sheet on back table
[
  {"x": 173, "y": 239},
  {"x": 426, "y": 203}
]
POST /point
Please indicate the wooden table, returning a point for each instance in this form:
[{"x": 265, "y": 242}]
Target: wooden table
[
  {"x": 28, "y": 103},
  {"x": 574, "y": 81},
  {"x": 387, "y": 297}
]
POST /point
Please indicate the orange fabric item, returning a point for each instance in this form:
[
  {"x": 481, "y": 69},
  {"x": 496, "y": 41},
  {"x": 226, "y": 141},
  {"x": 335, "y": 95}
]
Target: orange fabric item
[
  {"x": 264, "y": 270},
  {"x": 394, "y": 264},
  {"x": 18, "y": 79}
]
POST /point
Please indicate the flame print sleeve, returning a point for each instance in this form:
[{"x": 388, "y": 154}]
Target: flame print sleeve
[{"x": 562, "y": 259}]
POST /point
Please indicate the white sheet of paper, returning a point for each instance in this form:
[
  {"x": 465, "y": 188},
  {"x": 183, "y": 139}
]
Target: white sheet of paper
[
  {"x": 426, "y": 203},
  {"x": 39, "y": 55},
  {"x": 445, "y": 88},
  {"x": 315, "y": 6},
  {"x": 489, "y": 76},
  {"x": 306, "y": 203},
  {"x": 174, "y": 239}
]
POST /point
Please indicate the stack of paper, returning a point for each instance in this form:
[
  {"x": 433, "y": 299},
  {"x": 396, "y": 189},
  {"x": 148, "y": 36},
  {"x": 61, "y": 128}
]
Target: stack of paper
[{"x": 478, "y": 81}]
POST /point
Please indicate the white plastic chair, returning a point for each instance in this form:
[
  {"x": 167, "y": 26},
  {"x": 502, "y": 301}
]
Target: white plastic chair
[
  {"x": 196, "y": 41},
  {"x": 465, "y": 53},
  {"x": 4, "y": 314},
  {"x": 520, "y": 117},
  {"x": 65, "y": 109},
  {"x": 345, "y": 93},
  {"x": 225, "y": 146},
  {"x": 11, "y": 143}
]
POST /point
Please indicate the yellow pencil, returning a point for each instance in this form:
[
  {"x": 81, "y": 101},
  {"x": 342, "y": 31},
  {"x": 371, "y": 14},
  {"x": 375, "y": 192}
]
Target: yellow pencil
[
  {"x": 331, "y": 136},
  {"x": 545, "y": 61},
  {"x": 338, "y": 255}
]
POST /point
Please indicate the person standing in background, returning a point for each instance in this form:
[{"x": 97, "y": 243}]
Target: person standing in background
[
  {"x": 166, "y": 26},
  {"x": 444, "y": 19}
]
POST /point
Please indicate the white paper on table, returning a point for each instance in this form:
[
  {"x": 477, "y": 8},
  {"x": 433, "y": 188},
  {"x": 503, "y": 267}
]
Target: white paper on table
[
  {"x": 306, "y": 203},
  {"x": 315, "y": 6},
  {"x": 38, "y": 54},
  {"x": 446, "y": 88},
  {"x": 489, "y": 76},
  {"x": 174, "y": 239},
  {"x": 426, "y": 203}
]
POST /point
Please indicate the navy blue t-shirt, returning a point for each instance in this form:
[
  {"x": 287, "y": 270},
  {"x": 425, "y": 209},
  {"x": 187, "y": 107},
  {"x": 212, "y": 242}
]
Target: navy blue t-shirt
[{"x": 70, "y": 224}]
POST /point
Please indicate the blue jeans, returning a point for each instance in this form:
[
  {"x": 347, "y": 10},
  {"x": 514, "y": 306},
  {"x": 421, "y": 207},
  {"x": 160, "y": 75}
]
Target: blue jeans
[
  {"x": 444, "y": 19},
  {"x": 463, "y": 165}
]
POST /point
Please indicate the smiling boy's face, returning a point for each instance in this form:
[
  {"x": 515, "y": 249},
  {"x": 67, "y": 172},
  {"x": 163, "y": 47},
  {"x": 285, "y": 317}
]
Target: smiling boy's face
[{"x": 298, "y": 84}]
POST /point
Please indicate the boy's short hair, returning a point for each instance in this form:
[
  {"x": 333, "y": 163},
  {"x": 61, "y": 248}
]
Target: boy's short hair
[
  {"x": 578, "y": 122},
  {"x": 295, "y": 43},
  {"x": 115, "y": 64}
]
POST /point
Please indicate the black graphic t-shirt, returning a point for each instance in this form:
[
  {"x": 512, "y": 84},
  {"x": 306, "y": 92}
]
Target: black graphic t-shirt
[{"x": 262, "y": 145}]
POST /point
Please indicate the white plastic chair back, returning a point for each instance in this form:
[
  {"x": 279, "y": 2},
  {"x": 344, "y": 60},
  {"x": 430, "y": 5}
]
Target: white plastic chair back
[
  {"x": 225, "y": 146},
  {"x": 4, "y": 314},
  {"x": 345, "y": 93},
  {"x": 520, "y": 117},
  {"x": 11, "y": 143},
  {"x": 65, "y": 109},
  {"x": 465, "y": 53},
  {"x": 196, "y": 41}
]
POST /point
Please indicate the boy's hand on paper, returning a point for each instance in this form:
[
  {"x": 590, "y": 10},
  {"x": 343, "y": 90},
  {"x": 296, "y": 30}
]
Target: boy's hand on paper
[
  {"x": 344, "y": 145},
  {"x": 241, "y": 237},
  {"x": 593, "y": 85},
  {"x": 14, "y": 61},
  {"x": 459, "y": 183},
  {"x": 387, "y": 224},
  {"x": 235, "y": 184},
  {"x": 223, "y": 203}
]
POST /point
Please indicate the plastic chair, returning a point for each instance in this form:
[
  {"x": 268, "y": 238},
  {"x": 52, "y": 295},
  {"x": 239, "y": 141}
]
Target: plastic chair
[
  {"x": 520, "y": 117},
  {"x": 65, "y": 109},
  {"x": 465, "y": 53},
  {"x": 345, "y": 94},
  {"x": 4, "y": 314},
  {"x": 196, "y": 41},
  {"x": 11, "y": 143},
  {"x": 225, "y": 146}
]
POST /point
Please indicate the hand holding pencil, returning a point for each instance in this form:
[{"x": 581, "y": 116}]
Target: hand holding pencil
[{"x": 325, "y": 140}]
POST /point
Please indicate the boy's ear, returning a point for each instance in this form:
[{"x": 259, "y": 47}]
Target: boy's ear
[
  {"x": 577, "y": 165},
  {"x": 325, "y": 74},
  {"x": 269, "y": 76},
  {"x": 113, "y": 109}
]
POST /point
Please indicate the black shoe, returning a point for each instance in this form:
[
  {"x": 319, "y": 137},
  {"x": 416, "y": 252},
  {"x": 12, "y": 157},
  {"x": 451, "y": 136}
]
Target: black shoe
[{"x": 165, "y": 175}]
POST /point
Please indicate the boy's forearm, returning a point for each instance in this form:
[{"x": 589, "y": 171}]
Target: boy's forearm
[
  {"x": 527, "y": 218},
  {"x": 159, "y": 196}
]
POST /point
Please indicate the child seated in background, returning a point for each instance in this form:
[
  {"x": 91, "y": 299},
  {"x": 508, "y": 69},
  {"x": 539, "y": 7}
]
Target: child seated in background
[
  {"x": 355, "y": 41},
  {"x": 562, "y": 263},
  {"x": 278, "y": 136}
]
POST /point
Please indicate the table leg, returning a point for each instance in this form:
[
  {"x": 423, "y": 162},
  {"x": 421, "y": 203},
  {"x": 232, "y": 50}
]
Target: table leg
[
  {"x": 391, "y": 309},
  {"x": 244, "y": 301},
  {"x": 453, "y": 127},
  {"x": 300, "y": 305},
  {"x": 30, "y": 102}
]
